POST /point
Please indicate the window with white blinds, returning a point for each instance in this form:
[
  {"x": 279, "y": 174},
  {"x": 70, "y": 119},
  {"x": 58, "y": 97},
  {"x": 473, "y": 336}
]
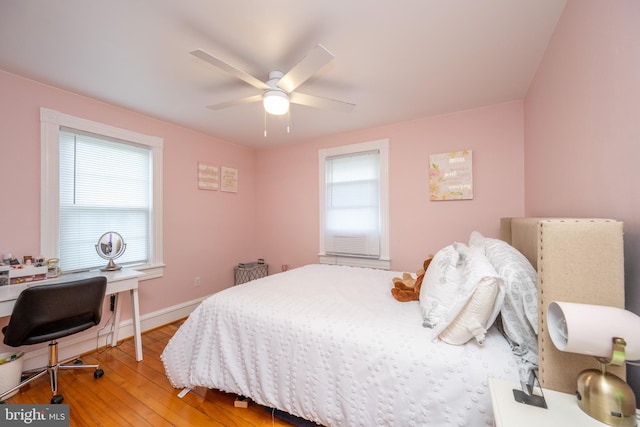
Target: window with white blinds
[
  {"x": 352, "y": 208},
  {"x": 354, "y": 204},
  {"x": 105, "y": 185},
  {"x": 97, "y": 178}
]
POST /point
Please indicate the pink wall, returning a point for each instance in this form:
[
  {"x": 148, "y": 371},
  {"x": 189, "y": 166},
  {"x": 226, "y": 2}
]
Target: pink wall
[
  {"x": 275, "y": 213},
  {"x": 582, "y": 121},
  {"x": 287, "y": 183},
  {"x": 205, "y": 233}
]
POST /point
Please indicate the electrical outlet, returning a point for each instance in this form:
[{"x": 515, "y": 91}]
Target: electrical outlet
[{"x": 196, "y": 282}]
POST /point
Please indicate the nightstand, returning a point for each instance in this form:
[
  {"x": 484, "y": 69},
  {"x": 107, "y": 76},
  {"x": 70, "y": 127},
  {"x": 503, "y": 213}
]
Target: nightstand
[{"x": 562, "y": 409}]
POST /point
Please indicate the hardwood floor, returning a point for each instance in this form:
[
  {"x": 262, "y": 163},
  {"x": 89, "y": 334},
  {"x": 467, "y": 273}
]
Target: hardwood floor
[{"x": 138, "y": 393}]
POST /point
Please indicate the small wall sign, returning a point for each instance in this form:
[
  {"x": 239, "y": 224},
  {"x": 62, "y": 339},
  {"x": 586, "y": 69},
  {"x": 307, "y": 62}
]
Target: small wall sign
[
  {"x": 451, "y": 176},
  {"x": 208, "y": 177},
  {"x": 229, "y": 179}
]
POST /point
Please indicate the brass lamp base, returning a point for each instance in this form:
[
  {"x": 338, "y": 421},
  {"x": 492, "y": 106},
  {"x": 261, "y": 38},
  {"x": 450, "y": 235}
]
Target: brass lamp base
[{"x": 607, "y": 398}]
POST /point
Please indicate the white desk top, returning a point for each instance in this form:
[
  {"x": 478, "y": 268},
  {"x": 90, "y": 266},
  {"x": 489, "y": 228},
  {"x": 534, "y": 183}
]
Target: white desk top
[{"x": 9, "y": 293}]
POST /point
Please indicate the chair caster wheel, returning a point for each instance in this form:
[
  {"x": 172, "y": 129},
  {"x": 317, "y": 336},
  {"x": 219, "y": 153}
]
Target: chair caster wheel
[
  {"x": 77, "y": 362},
  {"x": 98, "y": 373},
  {"x": 57, "y": 399}
]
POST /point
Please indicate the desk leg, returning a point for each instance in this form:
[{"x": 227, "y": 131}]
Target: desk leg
[
  {"x": 136, "y": 323},
  {"x": 116, "y": 321}
]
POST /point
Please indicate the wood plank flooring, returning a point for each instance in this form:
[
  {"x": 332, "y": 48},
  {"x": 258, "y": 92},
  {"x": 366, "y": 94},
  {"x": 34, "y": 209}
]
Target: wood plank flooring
[{"x": 138, "y": 393}]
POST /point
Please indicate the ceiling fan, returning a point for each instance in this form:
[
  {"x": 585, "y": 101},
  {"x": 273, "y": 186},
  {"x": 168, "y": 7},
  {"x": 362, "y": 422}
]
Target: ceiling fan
[{"x": 279, "y": 90}]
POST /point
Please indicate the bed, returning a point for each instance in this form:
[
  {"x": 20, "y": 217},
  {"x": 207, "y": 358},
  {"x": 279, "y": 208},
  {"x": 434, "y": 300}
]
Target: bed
[{"x": 330, "y": 344}]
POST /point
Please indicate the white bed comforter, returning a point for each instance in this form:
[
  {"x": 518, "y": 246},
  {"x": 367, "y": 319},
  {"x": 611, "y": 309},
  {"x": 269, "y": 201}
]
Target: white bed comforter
[{"x": 330, "y": 344}]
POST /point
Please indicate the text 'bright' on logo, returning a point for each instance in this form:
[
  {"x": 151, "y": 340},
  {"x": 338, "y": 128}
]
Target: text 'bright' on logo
[{"x": 35, "y": 415}]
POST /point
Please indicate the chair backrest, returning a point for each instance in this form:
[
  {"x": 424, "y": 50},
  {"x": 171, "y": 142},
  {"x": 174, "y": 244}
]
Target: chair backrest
[{"x": 47, "y": 312}]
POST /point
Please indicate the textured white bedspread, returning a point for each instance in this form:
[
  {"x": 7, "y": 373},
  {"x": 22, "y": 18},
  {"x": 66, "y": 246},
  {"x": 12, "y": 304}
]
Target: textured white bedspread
[{"x": 330, "y": 344}]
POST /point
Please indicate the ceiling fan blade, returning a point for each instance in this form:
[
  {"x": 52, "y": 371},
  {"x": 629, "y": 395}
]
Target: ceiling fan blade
[
  {"x": 216, "y": 62},
  {"x": 247, "y": 100},
  {"x": 319, "y": 102},
  {"x": 317, "y": 58}
]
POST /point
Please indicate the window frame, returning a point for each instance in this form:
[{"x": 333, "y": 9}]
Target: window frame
[
  {"x": 384, "y": 260},
  {"x": 50, "y": 123}
]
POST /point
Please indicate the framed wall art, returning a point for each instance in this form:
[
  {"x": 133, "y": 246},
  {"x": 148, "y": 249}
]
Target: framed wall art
[
  {"x": 229, "y": 179},
  {"x": 208, "y": 177},
  {"x": 451, "y": 176}
]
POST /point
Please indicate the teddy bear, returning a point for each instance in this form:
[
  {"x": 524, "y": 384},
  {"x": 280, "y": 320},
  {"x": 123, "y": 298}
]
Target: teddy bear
[{"x": 407, "y": 288}]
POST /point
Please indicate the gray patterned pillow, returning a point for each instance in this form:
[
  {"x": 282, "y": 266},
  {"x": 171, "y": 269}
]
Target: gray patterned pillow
[{"x": 520, "y": 308}]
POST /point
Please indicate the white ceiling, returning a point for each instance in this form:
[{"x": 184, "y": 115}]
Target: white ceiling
[{"x": 396, "y": 60}]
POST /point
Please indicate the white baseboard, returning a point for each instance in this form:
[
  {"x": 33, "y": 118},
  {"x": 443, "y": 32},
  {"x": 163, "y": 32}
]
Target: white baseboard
[{"x": 85, "y": 343}]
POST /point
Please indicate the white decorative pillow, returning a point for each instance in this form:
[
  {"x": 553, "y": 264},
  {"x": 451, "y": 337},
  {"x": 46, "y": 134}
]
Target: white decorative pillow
[
  {"x": 452, "y": 288},
  {"x": 440, "y": 284},
  {"x": 476, "y": 239},
  {"x": 476, "y": 270},
  {"x": 478, "y": 314}
]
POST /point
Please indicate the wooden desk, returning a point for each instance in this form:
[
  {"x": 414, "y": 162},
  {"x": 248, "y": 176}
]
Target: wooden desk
[{"x": 117, "y": 282}]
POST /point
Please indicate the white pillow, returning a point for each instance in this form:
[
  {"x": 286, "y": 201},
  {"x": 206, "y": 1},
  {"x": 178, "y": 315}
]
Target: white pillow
[
  {"x": 450, "y": 288},
  {"x": 478, "y": 314},
  {"x": 441, "y": 284},
  {"x": 476, "y": 239},
  {"x": 476, "y": 270}
]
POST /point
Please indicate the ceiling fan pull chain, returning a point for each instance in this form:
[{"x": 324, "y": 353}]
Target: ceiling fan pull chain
[{"x": 265, "y": 123}]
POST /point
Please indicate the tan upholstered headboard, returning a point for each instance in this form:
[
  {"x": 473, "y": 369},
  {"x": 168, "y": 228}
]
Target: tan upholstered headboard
[{"x": 578, "y": 260}]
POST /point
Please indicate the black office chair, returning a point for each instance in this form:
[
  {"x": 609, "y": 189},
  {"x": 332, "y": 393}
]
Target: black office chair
[{"x": 48, "y": 312}]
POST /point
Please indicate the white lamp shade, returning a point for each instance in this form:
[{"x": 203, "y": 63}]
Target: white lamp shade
[
  {"x": 276, "y": 102},
  {"x": 589, "y": 329}
]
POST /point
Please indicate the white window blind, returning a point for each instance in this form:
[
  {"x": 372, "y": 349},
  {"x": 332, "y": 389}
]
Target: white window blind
[
  {"x": 352, "y": 206},
  {"x": 105, "y": 185}
]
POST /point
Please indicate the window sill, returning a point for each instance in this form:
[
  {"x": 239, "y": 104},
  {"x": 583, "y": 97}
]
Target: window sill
[
  {"x": 381, "y": 264},
  {"x": 151, "y": 271}
]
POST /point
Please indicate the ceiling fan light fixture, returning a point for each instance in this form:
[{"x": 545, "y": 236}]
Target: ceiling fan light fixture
[{"x": 276, "y": 102}]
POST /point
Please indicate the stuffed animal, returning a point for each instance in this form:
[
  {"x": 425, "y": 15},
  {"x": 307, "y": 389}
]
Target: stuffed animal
[{"x": 407, "y": 288}]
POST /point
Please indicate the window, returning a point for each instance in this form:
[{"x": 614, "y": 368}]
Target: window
[
  {"x": 97, "y": 178},
  {"x": 354, "y": 205}
]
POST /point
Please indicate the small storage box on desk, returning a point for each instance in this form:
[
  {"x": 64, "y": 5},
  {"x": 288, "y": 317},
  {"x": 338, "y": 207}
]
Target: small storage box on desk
[
  {"x": 12, "y": 274},
  {"x": 247, "y": 271}
]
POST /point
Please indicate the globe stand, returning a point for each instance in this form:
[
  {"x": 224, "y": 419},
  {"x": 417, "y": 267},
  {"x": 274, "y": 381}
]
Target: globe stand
[{"x": 111, "y": 266}]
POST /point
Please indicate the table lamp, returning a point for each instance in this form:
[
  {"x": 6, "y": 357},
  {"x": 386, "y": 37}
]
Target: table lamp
[{"x": 612, "y": 336}]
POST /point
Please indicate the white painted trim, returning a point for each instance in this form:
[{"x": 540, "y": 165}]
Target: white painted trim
[
  {"x": 150, "y": 271},
  {"x": 382, "y": 264},
  {"x": 49, "y": 178},
  {"x": 50, "y": 122},
  {"x": 85, "y": 343}
]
